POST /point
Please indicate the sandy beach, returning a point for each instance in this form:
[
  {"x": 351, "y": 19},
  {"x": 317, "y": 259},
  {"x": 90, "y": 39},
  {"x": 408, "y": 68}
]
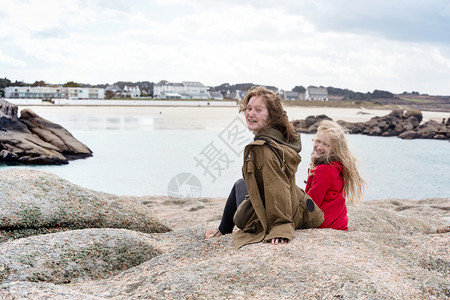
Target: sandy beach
[{"x": 217, "y": 117}]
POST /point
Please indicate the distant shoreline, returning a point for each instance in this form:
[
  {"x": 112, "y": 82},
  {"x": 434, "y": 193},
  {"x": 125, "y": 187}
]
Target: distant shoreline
[
  {"x": 68, "y": 102},
  {"x": 364, "y": 104},
  {"x": 224, "y": 103},
  {"x": 206, "y": 116}
]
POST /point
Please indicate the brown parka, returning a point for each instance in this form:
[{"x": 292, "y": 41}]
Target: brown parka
[{"x": 278, "y": 205}]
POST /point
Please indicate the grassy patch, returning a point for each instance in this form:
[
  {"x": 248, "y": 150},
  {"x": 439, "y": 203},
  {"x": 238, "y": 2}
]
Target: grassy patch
[
  {"x": 338, "y": 104},
  {"x": 417, "y": 100}
]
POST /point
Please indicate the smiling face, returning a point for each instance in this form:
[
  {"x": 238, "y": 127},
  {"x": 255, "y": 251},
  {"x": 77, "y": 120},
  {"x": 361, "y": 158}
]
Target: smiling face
[
  {"x": 322, "y": 145},
  {"x": 256, "y": 114}
]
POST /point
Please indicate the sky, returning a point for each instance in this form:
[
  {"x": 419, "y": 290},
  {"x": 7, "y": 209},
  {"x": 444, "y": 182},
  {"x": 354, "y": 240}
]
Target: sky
[{"x": 396, "y": 46}]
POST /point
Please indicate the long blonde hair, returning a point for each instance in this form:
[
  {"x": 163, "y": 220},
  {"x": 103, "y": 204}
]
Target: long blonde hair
[
  {"x": 354, "y": 185},
  {"x": 278, "y": 118}
]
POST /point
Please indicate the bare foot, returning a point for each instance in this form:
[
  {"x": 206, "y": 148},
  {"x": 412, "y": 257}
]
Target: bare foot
[
  {"x": 212, "y": 234},
  {"x": 277, "y": 241}
]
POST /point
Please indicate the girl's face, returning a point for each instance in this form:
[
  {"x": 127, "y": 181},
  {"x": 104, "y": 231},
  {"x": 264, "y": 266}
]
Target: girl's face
[
  {"x": 256, "y": 114},
  {"x": 322, "y": 145}
]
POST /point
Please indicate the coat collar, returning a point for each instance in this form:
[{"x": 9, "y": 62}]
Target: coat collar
[{"x": 279, "y": 137}]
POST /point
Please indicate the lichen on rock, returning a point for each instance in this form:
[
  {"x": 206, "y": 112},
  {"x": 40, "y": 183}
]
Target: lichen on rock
[{"x": 36, "y": 202}]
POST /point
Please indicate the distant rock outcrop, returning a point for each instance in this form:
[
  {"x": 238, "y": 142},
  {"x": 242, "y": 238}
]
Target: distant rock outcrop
[
  {"x": 404, "y": 124},
  {"x": 31, "y": 139}
]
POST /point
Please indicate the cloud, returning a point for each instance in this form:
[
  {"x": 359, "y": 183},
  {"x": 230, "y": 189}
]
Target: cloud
[
  {"x": 404, "y": 20},
  {"x": 50, "y": 33},
  {"x": 8, "y": 61},
  {"x": 397, "y": 46},
  {"x": 414, "y": 21}
]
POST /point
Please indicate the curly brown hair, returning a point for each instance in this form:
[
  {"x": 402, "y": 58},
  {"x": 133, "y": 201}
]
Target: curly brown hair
[{"x": 278, "y": 118}]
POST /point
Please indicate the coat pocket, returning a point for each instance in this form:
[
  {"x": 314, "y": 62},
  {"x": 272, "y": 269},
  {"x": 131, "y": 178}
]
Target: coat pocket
[{"x": 243, "y": 213}]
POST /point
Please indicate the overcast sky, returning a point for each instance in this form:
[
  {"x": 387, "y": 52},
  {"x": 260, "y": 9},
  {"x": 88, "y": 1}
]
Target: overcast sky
[{"x": 400, "y": 45}]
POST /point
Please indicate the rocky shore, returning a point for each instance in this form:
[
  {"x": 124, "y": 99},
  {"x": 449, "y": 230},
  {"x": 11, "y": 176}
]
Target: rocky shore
[
  {"x": 406, "y": 124},
  {"x": 61, "y": 241},
  {"x": 30, "y": 139}
]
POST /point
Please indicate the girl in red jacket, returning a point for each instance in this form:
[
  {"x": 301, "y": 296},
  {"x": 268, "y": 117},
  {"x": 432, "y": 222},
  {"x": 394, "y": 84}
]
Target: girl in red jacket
[{"x": 333, "y": 175}]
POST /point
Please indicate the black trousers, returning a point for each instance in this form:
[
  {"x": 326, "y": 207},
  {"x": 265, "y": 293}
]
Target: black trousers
[{"x": 237, "y": 195}]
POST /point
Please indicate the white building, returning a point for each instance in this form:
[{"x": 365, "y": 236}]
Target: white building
[
  {"x": 184, "y": 90},
  {"x": 289, "y": 95},
  {"x": 48, "y": 93},
  {"x": 238, "y": 95},
  {"x": 195, "y": 90},
  {"x": 131, "y": 91},
  {"x": 114, "y": 89},
  {"x": 85, "y": 93},
  {"x": 28, "y": 92},
  {"x": 316, "y": 94},
  {"x": 216, "y": 95}
]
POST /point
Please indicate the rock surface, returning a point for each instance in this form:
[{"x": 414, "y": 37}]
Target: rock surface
[
  {"x": 395, "y": 249},
  {"x": 35, "y": 202},
  {"x": 65, "y": 257},
  {"x": 404, "y": 124},
  {"x": 31, "y": 139}
]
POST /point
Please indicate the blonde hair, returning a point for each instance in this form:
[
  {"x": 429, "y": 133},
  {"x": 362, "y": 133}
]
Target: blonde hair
[
  {"x": 278, "y": 118},
  {"x": 354, "y": 185}
]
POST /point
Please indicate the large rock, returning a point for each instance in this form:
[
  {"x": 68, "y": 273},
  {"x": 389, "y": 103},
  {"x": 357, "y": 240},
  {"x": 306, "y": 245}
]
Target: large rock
[
  {"x": 64, "y": 257},
  {"x": 310, "y": 124},
  {"x": 404, "y": 124},
  {"x": 392, "y": 251},
  {"x": 413, "y": 113},
  {"x": 31, "y": 139},
  {"x": 395, "y": 249},
  {"x": 35, "y": 202}
]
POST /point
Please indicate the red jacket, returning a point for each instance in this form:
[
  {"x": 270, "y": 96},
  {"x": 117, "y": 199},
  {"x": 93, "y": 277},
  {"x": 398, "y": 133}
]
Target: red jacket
[{"x": 326, "y": 187}]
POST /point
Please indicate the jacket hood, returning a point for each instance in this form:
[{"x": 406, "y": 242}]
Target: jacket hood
[
  {"x": 329, "y": 160},
  {"x": 279, "y": 137}
]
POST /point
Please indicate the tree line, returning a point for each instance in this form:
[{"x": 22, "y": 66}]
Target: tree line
[{"x": 224, "y": 88}]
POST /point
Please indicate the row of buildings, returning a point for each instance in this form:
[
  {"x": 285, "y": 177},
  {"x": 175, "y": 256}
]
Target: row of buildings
[
  {"x": 196, "y": 90},
  {"x": 311, "y": 94},
  {"x": 48, "y": 93},
  {"x": 161, "y": 90}
]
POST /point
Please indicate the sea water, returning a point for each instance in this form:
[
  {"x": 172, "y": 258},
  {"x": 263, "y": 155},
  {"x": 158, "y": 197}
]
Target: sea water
[{"x": 147, "y": 154}]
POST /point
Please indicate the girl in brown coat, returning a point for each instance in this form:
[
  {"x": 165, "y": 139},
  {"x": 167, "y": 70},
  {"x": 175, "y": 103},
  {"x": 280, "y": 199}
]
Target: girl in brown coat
[{"x": 275, "y": 206}]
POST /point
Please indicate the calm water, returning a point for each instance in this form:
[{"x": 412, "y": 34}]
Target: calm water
[{"x": 137, "y": 154}]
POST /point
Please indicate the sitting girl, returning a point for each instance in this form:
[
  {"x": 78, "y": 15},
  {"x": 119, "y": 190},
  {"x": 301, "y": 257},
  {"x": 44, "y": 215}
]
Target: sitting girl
[
  {"x": 275, "y": 206},
  {"x": 333, "y": 175}
]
